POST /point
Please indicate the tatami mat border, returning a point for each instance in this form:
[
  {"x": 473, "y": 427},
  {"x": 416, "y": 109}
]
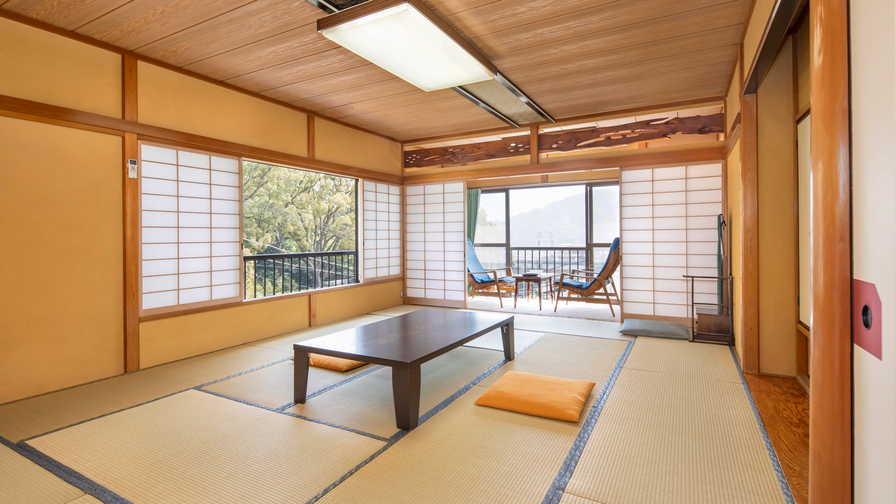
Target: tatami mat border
[
  {"x": 332, "y": 386},
  {"x": 159, "y": 398},
  {"x": 776, "y": 464},
  {"x": 423, "y": 418},
  {"x": 555, "y": 492},
  {"x": 287, "y": 413},
  {"x": 65, "y": 473}
]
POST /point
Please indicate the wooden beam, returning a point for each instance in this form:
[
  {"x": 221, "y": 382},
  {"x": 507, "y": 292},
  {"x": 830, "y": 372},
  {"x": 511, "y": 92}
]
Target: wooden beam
[
  {"x": 565, "y": 141},
  {"x": 642, "y": 158},
  {"x": 830, "y": 418},
  {"x": 781, "y": 18},
  {"x": 131, "y": 220},
  {"x": 12, "y": 16},
  {"x": 534, "y": 151},
  {"x": 155, "y": 133},
  {"x": 749, "y": 176},
  {"x": 608, "y": 114}
]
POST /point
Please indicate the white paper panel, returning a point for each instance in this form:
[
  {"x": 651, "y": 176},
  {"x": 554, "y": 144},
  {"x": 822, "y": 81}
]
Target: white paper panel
[
  {"x": 159, "y": 154},
  {"x": 159, "y": 300},
  {"x": 677, "y": 172},
  {"x": 710, "y": 170},
  {"x": 701, "y": 184},
  {"x": 636, "y": 175},
  {"x": 636, "y": 199}
]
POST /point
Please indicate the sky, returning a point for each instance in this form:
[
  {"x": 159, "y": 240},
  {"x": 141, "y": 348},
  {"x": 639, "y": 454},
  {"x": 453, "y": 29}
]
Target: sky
[{"x": 524, "y": 200}]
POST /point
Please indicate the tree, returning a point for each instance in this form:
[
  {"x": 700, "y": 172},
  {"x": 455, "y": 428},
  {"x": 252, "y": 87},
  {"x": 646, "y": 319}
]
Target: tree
[{"x": 288, "y": 211}]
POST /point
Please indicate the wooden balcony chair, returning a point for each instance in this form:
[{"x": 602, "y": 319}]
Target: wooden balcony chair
[
  {"x": 591, "y": 287},
  {"x": 486, "y": 281}
]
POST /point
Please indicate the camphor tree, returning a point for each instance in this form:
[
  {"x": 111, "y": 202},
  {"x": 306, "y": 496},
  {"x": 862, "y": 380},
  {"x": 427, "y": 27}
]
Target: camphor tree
[{"x": 287, "y": 211}]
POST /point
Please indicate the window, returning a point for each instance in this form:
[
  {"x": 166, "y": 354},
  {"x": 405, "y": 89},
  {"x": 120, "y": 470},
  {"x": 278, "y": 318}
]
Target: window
[
  {"x": 382, "y": 230},
  {"x": 555, "y": 228},
  {"x": 299, "y": 230},
  {"x": 190, "y": 228}
]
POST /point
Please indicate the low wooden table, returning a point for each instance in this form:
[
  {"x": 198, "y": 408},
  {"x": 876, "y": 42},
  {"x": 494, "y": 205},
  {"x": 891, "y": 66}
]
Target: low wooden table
[
  {"x": 403, "y": 343},
  {"x": 532, "y": 279}
]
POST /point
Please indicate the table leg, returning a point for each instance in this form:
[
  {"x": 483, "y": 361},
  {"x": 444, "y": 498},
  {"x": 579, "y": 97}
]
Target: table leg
[
  {"x": 300, "y": 377},
  {"x": 406, "y": 395},
  {"x": 516, "y": 292},
  {"x": 507, "y": 339},
  {"x": 539, "y": 295}
]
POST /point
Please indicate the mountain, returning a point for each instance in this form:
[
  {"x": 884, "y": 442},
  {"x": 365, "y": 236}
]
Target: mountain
[{"x": 558, "y": 224}]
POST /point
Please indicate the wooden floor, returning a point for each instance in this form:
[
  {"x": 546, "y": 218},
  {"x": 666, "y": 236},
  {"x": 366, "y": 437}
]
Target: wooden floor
[{"x": 784, "y": 406}]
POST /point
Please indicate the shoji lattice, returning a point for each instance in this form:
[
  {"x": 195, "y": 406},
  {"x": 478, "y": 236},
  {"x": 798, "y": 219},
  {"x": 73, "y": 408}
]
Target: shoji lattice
[
  {"x": 382, "y": 230},
  {"x": 435, "y": 244},
  {"x": 191, "y": 228},
  {"x": 669, "y": 228}
]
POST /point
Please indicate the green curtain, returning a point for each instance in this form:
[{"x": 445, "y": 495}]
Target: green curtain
[
  {"x": 719, "y": 259},
  {"x": 472, "y": 212}
]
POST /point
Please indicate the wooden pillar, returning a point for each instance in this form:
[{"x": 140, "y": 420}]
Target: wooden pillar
[
  {"x": 533, "y": 145},
  {"x": 311, "y": 138},
  {"x": 749, "y": 175},
  {"x": 830, "y": 410},
  {"x": 131, "y": 221}
]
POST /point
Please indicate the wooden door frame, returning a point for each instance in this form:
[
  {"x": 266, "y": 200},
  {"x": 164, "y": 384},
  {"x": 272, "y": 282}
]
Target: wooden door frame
[{"x": 830, "y": 405}]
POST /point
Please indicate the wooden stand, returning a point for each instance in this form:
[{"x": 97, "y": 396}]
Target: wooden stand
[{"x": 712, "y": 322}]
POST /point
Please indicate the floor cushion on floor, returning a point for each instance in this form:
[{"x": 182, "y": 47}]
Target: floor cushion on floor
[
  {"x": 537, "y": 395},
  {"x": 334, "y": 363},
  {"x": 654, "y": 329}
]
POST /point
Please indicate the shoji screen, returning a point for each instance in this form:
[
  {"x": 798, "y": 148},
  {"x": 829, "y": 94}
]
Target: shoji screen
[
  {"x": 382, "y": 230},
  {"x": 669, "y": 229},
  {"x": 435, "y": 266},
  {"x": 190, "y": 229}
]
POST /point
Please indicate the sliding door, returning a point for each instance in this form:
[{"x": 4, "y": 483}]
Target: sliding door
[
  {"x": 669, "y": 229},
  {"x": 435, "y": 241}
]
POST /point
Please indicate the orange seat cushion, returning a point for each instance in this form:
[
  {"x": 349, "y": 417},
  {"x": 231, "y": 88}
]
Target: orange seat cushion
[
  {"x": 334, "y": 363},
  {"x": 537, "y": 395}
]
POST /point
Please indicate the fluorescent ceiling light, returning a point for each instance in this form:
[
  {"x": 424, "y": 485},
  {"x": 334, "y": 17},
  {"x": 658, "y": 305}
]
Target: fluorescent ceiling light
[{"x": 407, "y": 43}]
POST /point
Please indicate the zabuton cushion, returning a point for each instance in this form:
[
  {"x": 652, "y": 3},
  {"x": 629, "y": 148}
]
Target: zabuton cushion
[{"x": 537, "y": 395}]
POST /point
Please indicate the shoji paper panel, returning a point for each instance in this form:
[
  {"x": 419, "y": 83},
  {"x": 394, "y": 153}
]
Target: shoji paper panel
[
  {"x": 435, "y": 234},
  {"x": 381, "y": 204},
  {"x": 190, "y": 228},
  {"x": 668, "y": 230}
]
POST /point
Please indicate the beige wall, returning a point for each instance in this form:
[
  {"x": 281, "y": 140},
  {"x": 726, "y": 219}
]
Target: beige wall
[
  {"x": 735, "y": 216},
  {"x": 762, "y": 11},
  {"x": 340, "y": 144},
  {"x": 873, "y": 88},
  {"x": 174, "y": 100},
  {"x": 777, "y": 224},
  {"x": 61, "y": 313},
  {"x": 39, "y": 66},
  {"x": 732, "y": 100},
  {"x": 61, "y": 307}
]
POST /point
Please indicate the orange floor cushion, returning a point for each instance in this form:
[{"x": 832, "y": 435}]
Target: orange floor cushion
[
  {"x": 334, "y": 363},
  {"x": 537, "y": 395}
]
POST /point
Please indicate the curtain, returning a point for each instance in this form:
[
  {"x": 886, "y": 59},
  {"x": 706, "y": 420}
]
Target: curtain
[
  {"x": 472, "y": 212},
  {"x": 720, "y": 260}
]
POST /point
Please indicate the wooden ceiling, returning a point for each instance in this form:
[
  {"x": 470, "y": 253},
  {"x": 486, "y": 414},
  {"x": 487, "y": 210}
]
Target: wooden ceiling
[{"x": 573, "y": 57}]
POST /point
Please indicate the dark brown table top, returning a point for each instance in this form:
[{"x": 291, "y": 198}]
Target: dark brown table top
[
  {"x": 533, "y": 278},
  {"x": 408, "y": 339}
]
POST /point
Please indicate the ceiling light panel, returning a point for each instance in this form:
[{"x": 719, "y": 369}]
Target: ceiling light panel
[{"x": 403, "y": 41}]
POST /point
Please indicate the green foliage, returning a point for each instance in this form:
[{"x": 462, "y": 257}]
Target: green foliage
[{"x": 287, "y": 210}]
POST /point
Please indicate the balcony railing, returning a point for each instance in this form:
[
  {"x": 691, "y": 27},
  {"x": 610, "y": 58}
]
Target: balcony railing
[
  {"x": 274, "y": 274},
  {"x": 554, "y": 260}
]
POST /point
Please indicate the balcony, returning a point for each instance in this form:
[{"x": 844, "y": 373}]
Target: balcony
[{"x": 275, "y": 274}]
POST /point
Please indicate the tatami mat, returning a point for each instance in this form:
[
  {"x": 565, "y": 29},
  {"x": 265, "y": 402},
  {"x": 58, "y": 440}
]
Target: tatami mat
[
  {"x": 194, "y": 447},
  {"x": 575, "y": 499},
  {"x": 469, "y": 453},
  {"x": 273, "y": 386},
  {"x": 366, "y": 404},
  {"x": 575, "y": 327},
  {"x": 570, "y": 357},
  {"x": 85, "y": 499},
  {"x": 669, "y": 438},
  {"x": 23, "y": 481},
  {"x": 284, "y": 343},
  {"x": 24, "y": 419},
  {"x": 493, "y": 341},
  {"x": 403, "y": 310},
  {"x": 682, "y": 358}
]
